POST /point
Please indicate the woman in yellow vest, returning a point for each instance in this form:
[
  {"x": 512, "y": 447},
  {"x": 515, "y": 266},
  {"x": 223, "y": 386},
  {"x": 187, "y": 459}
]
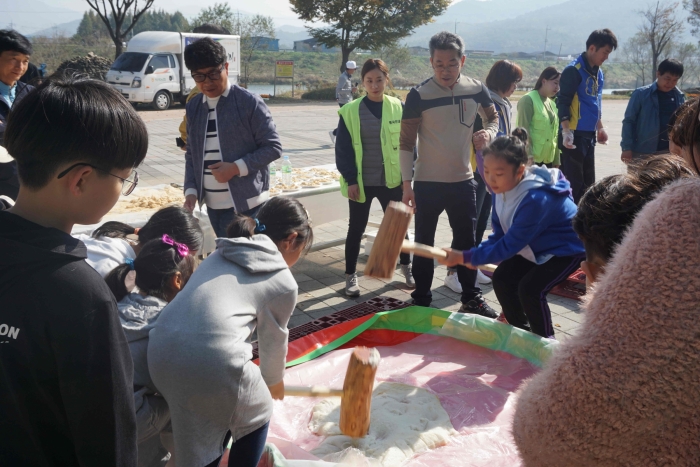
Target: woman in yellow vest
[
  {"x": 367, "y": 157},
  {"x": 537, "y": 113}
]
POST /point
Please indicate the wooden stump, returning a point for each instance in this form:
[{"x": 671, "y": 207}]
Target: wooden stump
[{"x": 357, "y": 392}]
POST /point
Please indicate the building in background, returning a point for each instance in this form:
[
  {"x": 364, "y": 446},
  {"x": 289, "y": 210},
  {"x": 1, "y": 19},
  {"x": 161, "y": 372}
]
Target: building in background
[{"x": 312, "y": 45}]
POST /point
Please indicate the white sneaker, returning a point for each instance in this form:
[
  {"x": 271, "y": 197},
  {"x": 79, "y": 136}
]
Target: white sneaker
[
  {"x": 351, "y": 287},
  {"x": 482, "y": 278},
  {"x": 330, "y": 133},
  {"x": 452, "y": 282},
  {"x": 407, "y": 271}
]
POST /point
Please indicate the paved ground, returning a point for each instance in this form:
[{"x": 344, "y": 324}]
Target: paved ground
[{"x": 304, "y": 132}]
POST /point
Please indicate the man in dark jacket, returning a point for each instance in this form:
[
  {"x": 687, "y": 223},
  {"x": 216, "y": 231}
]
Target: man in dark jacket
[{"x": 15, "y": 50}]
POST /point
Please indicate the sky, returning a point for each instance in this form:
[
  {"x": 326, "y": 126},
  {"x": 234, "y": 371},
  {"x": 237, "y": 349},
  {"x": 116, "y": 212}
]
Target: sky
[{"x": 278, "y": 9}]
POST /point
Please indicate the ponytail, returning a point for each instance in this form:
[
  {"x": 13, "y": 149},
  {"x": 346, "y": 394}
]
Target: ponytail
[
  {"x": 278, "y": 218},
  {"x": 116, "y": 281}
]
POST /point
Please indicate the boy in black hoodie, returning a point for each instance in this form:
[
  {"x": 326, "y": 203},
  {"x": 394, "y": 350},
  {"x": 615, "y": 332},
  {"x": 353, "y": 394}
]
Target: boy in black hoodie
[{"x": 66, "y": 394}]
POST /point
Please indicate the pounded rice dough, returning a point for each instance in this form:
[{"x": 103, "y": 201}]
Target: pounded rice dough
[{"x": 405, "y": 420}]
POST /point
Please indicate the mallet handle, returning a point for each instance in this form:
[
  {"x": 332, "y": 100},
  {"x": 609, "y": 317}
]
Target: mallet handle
[
  {"x": 423, "y": 250},
  {"x": 313, "y": 391},
  {"x": 436, "y": 253}
]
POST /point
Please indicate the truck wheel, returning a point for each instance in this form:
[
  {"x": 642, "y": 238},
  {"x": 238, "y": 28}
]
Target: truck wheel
[{"x": 162, "y": 100}]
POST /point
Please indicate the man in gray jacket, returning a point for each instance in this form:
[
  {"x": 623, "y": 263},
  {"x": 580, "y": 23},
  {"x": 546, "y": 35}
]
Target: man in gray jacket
[
  {"x": 227, "y": 170},
  {"x": 344, "y": 90}
]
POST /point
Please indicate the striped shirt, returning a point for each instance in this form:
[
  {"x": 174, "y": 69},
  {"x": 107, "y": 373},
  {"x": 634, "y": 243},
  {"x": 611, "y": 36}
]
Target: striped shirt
[{"x": 216, "y": 195}]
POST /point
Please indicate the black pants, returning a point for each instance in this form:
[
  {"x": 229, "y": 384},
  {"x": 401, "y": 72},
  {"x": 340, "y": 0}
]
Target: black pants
[
  {"x": 522, "y": 286},
  {"x": 578, "y": 165},
  {"x": 483, "y": 207},
  {"x": 247, "y": 451},
  {"x": 459, "y": 201},
  {"x": 359, "y": 215}
]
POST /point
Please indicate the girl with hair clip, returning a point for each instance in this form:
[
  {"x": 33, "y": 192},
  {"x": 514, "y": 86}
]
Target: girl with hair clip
[
  {"x": 113, "y": 242},
  {"x": 160, "y": 271},
  {"x": 367, "y": 156},
  {"x": 532, "y": 239},
  {"x": 200, "y": 352}
]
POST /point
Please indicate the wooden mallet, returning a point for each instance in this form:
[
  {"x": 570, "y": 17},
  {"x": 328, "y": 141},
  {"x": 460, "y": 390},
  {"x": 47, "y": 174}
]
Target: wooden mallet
[
  {"x": 356, "y": 395},
  {"x": 390, "y": 243}
]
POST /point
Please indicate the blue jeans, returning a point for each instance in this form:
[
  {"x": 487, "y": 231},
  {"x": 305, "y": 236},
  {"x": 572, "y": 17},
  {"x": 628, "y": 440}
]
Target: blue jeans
[
  {"x": 221, "y": 218},
  {"x": 459, "y": 201}
]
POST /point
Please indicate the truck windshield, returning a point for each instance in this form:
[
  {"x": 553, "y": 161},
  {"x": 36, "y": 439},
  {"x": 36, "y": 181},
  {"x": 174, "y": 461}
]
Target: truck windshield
[{"x": 130, "y": 61}]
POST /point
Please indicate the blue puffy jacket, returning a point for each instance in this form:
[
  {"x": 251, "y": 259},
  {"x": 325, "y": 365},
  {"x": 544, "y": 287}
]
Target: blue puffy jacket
[
  {"x": 640, "y": 127},
  {"x": 532, "y": 220}
]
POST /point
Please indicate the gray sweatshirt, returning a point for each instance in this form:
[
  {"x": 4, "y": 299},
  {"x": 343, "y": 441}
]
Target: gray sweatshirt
[
  {"x": 343, "y": 90},
  {"x": 199, "y": 352}
]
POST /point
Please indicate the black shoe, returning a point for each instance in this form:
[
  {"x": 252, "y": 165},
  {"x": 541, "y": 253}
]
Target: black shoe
[
  {"x": 478, "y": 306},
  {"x": 422, "y": 303}
]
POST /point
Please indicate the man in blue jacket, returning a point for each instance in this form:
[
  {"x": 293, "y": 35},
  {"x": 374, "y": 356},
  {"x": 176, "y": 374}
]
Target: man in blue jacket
[
  {"x": 580, "y": 111},
  {"x": 645, "y": 127},
  {"x": 15, "y": 50},
  {"x": 231, "y": 140}
]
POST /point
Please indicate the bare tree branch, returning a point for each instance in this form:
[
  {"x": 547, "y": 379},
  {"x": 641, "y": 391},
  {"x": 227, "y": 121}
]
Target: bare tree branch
[{"x": 114, "y": 13}]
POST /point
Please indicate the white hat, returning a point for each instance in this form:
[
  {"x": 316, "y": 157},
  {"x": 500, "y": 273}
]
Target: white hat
[
  {"x": 5, "y": 156},
  {"x": 351, "y": 65}
]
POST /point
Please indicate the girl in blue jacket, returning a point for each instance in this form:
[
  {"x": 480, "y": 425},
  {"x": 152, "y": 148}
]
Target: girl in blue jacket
[{"x": 533, "y": 239}]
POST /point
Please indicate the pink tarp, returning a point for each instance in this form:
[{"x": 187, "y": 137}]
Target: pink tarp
[{"x": 475, "y": 386}]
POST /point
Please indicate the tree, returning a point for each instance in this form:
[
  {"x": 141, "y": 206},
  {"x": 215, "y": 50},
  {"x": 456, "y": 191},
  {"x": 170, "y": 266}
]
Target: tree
[
  {"x": 659, "y": 27},
  {"x": 118, "y": 19},
  {"x": 638, "y": 53},
  {"x": 395, "y": 56},
  {"x": 693, "y": 7},
  {"x": 252, "y": 30},
  {"x": 363, "y": 24},
  {"x": 687, "y": 54},
  {"x": 220, "y": 14}
]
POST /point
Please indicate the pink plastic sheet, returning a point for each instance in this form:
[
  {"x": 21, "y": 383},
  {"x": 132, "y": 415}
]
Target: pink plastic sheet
[{"x": 475, "y": 386}]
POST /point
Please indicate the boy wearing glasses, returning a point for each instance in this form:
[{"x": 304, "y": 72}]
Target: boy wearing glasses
[
  {"x": 231, "y": 140},
  {"x": 440, "y": 113},
  {"x": 66, "y": 374}
]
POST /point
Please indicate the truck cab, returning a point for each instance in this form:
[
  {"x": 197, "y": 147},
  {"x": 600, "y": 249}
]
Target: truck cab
[{"x": 152, "y": 70}]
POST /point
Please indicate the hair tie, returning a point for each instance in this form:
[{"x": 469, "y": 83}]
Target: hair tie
[
  {"x": 130, "y": 263},
  {"x": 258, "y": 226},
  {"x": 182, "y": 249}
]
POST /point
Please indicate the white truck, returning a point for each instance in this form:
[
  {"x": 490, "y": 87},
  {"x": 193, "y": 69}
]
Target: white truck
[{"x": 152, "y": 70}]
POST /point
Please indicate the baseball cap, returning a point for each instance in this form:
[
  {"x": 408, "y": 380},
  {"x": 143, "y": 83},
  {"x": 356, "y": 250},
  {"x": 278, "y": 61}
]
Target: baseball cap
[
  {"x": 5, "y": 157},
  {"x": 351, "y": 65}
]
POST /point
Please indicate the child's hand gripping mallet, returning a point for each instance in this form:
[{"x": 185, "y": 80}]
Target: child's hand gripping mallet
[
  {"x": 356, "y": 395},
  {"x": 390, "y": 243}
]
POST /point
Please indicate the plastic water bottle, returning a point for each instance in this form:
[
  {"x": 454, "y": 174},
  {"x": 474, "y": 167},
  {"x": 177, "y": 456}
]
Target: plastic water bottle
[
  {"x": 286, "y": 171},
  {"x": 273, "y": 174}
]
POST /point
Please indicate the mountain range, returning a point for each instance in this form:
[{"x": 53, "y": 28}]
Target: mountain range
[{"x": 496, "y": 25}]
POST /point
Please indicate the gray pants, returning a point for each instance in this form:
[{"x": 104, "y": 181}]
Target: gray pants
[{"x": 152, "y": 419}]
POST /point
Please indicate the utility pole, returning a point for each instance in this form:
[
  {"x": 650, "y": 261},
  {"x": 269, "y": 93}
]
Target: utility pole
[
  {"x": 546, "y": 32},
  {"x": 559, "y": 54},
  {"x": 455, "y": 27}
]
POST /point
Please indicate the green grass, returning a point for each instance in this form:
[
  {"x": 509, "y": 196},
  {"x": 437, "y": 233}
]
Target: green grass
[{"x": 320, "y": 70}]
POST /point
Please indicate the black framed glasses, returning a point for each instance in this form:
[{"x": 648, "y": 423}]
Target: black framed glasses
[
  {"x": 128, "y": 184},
  {"x": 213, "y": 76}
]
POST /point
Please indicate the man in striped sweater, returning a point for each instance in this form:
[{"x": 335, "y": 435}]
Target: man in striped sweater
[
  {"x": 231, "y": 140},
  {"x": 440, "y": 113}
]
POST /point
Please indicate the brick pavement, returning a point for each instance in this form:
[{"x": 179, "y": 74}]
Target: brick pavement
[{"x": 304, "y": 132}]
